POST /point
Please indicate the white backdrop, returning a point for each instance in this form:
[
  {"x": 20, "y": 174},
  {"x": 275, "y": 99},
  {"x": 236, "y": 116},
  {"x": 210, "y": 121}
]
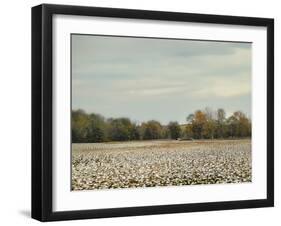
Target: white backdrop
[{"x": 15, "y": 115}]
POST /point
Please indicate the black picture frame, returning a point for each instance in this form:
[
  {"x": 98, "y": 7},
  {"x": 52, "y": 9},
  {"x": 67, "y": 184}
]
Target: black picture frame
[{"x": 42, "y": 106}]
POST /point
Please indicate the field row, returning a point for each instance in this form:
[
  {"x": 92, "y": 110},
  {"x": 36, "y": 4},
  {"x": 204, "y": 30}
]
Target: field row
[{"x": 159, "y": 163}]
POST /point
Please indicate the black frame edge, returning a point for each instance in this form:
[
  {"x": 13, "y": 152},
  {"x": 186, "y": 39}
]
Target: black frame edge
[
  {"x": 155, "y": 15},
  {"x": 270, "y": 112},
  {"x": 42, "y": 112},
  {"x": 36, "y": 156},
  {"x": 41, "y": 177},
  {"x": 152, "y": 210}
]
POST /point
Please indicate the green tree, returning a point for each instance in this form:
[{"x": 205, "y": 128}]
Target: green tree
[
  {"x": 174, "y": 130},
  {"x": 96, "y": 129},
  {"x": 87, "y": 128},
  {"x": 239, "y": 125},
  {"x": 79, "y": 125},
  {"x": 198, "y": 124},
  {"x": 189, "y": 131},
  {"x": 209, "y": 128},
  {"x": 152, "y": 130},
  {"x": 221, "y": 128},
  {"x": 135, "y": 132},
  {"x": 209, "y": 125},
  {"x": 120, "y": 129}
]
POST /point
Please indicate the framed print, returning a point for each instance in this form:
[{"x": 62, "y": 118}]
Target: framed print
[{"x": 139, "y": 112}]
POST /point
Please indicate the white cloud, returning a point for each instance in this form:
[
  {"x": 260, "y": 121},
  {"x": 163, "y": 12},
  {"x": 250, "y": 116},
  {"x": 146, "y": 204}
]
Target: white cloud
[{"x": 224, "y": 89}]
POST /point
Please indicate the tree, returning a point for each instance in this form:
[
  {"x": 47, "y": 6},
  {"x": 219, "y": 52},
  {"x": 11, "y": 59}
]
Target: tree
[
  {"x": 207, "y": 124},
  {"x": 190, "y": 118},
  {"x": 165, "y": 132},
  {"x": 189, "y": 131},
  {"x": 198, "y": 124},
  {"x": 220, "y": 115},
  {"x": 211, "y": 124},
  {"x": 79, "y": 125},
  {"x": 96, "y": 130},
  {"x": 152, "y": 130},
  {"x": 209, "y": 128},
  {"x": 241, "y": 124},
  {"x": 220, "y": 127},
  {"x": 174, "y": 130},
  {"x": 209, "y": 113},
  {"x": 135, "y": 132},
  {"x": 120, "y": 129},
  {"x": 87, "y": 128}
]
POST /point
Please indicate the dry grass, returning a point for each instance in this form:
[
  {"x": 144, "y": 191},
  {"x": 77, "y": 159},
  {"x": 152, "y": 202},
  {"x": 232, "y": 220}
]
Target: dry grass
[{"x": 160, "y": 163}]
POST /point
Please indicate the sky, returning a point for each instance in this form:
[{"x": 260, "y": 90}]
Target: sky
[{"x": 159, "y": 79}]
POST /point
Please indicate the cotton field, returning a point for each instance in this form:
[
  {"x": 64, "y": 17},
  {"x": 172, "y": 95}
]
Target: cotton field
[{"x": 160, "y": 163}]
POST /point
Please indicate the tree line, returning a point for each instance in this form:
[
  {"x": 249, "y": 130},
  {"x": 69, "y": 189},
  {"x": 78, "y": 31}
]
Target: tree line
[{"x": 202, "y": 124}]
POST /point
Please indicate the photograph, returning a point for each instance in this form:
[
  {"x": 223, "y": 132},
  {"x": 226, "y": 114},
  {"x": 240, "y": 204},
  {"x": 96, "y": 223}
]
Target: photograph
[
  {"x": 145, "y": 112},
  {"x": 152, "y": 112}
]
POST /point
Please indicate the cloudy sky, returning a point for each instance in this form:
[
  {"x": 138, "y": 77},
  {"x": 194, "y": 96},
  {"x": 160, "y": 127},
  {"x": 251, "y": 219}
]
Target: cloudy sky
[{"x": 161, "y": 79}]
